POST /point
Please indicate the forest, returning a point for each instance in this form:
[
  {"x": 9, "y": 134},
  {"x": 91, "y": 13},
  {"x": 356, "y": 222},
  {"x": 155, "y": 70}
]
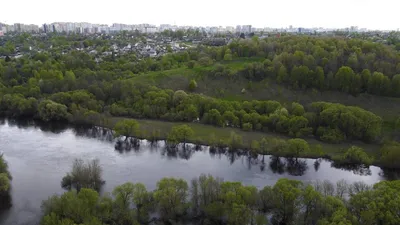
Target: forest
[
  {"x": 63, "y": 84},
  {"x": 211, "y": 200}
]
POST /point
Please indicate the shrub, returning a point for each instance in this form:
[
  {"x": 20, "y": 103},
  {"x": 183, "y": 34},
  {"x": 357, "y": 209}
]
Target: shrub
[
  {"x": 330, "y": 135},
  {"x": 192, "y": 85},
  {"x": 247, "y": 127}
]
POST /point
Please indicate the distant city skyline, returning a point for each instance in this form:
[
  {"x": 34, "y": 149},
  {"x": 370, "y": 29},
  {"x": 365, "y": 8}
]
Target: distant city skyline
[{"x": 370, "y": 14}]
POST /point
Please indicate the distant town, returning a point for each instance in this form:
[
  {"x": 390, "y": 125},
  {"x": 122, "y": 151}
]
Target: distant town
[{"x": 89, "y": 28}]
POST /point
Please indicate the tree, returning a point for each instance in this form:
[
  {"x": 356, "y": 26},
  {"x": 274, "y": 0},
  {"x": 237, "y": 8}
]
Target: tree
[
  {"x": 297, "y": 146},
  {"x": 283, "y": 75},
  {"x": 286, "y": 200},
  {"x": 137, "y": 194},
  {"x": 311, "y": 200},
  {"x": 298, "y": 126},
  {"x": 171, "y": 195},
  {"x": 83, "y": 175},
  {"x": 181, "y": 134},
  {"x": 192, "y": 85},
  {"x": 356, "y": 155},
  {"x": 73, "y": 208},
  {"x": 390, "y": 155},
  {"x": 52, "y": 111},
  {"x": 228, "y": 55},
  {"x": 179, "y": 96},
  {"x": 235, "y": 141},
  {"x": 126, "y": 127},
  {"x": 297, "y": 109}
]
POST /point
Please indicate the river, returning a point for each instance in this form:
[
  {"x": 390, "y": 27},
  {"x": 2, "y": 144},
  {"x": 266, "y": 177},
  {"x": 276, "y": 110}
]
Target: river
[{"x": 40, "y": 155}]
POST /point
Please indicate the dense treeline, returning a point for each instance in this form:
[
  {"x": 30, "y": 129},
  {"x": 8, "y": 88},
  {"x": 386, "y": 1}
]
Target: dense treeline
[
  {"x": 327, "y": 121},
  {"x": 209, "y": 200},
  {"x": 5, "y": 184},
  {"x": 349, "y": 65}
]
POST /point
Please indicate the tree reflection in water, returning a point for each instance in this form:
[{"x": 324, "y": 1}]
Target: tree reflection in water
[
  {"x": 359, "y": 169},
  {"x": 100, "y": 133},
  {"x": 296, "y": 167},
  {"x": 280, "y": 165},
  {"x": 55, "y": 127},
  {"x": 277, "y": 165},
  {"x": 292, "y": 166},
  {"x": 127, "y": 144},
  {"x": 317, "y": 164},
  {"x": 390, "y": 174}
]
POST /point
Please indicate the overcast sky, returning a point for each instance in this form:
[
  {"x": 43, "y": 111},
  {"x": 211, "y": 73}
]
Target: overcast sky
[{"x": 372, "y": 14}]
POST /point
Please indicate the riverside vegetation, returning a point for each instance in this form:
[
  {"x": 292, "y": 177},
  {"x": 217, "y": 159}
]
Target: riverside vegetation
[
  {"x": 5, "y": 184},
  {"x": 210, "y": 200},
  {"x": 79, "y": 88}
]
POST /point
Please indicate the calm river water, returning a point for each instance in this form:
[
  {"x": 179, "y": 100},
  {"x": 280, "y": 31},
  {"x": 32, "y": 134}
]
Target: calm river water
[{"x": 39, "y": 156}]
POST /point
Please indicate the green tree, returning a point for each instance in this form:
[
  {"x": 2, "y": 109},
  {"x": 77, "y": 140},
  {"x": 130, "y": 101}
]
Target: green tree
[
  {"x": 180, "y": 134},
  {"x": 83, "y": 175},
  {"x": 228, "y": 55},
  {"x": 126, "y": 127},
  {"x": 235, "y": 141},
  {"x": 297, "y": 109},
  {"x": 171, "y": 197},
  {"x": 52, "y": 111},
  {"x": 286, "y": 200},
  {"x": 297, "y": 146},
  {"x": 356, "y": 155},
  {"x": 283, "y": 75}
]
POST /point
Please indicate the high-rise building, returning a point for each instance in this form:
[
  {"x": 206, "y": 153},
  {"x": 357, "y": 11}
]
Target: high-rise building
[
  {"x": 18, "y": 27},
  {"x": 246, "y": 29},
  {"x": 238, "y": 29}
]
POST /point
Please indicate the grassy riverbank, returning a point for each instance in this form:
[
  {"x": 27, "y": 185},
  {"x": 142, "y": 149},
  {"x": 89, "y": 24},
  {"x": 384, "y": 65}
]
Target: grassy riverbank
[{"x": 203, "y": 135}]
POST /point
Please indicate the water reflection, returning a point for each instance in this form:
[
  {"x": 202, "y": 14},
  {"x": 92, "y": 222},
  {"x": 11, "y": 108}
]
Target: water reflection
[
  {"x": 390, "y": 174},
  {"x": 292, "y": 166},
  {"x": 55, "y": 128},
  {"x": 5, "y": 201},
  {"x": 361, "y": 170},
  {"x": 40, "y": 159},
  {"x": 317, "y": 164},
  {"x": 278, "y": 165}
]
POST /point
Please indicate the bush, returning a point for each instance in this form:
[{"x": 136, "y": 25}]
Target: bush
[
  {"x": 192, "y": 85},
  {"x": 390, "y": 155},
  {"x": 247, "y": 127},
  {"x": 330, "y": 135},
  {"x": 205, "y": 61},
  {"x": 191, "y": 64}
]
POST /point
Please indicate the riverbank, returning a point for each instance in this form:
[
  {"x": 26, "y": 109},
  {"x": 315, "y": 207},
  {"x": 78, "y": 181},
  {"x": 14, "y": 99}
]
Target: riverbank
[
  {"x": 219, "y": 136},
  {"x": 204, "y": 135}
]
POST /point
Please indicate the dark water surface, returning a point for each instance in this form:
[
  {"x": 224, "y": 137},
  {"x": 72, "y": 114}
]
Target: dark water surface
[{"x": 39, "y": 156}]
